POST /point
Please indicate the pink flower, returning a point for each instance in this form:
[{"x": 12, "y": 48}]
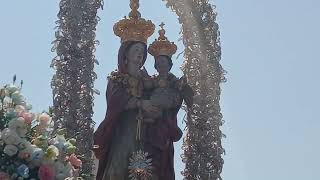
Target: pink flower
[
  {"x": 28, "y": 117},
  {"x": 75, "y": 161},
  {"x": 4, "y": 176},
  {"x": 46, "y": 173},
  {"x": 23, "y": 155},
  {"x": 40, "y": 129}
]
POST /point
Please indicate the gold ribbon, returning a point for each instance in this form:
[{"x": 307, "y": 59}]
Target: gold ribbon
[{"x": 139, "y": 125}]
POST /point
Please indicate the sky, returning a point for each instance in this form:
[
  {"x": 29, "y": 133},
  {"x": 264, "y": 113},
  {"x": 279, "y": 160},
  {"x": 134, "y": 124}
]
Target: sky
[{"x": 270, "y": 50}]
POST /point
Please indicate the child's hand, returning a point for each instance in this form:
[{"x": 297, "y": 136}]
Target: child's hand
[
  {"x": 149, "y": 108},
  {"x": 182, "y": 82},
  {"x": 132, "y": 103}
]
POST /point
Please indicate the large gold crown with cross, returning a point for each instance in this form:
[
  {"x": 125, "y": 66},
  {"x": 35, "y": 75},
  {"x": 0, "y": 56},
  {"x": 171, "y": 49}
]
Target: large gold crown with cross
[
  {"x": 134, "y": 28},
  {"x": 162, "y": 46}
]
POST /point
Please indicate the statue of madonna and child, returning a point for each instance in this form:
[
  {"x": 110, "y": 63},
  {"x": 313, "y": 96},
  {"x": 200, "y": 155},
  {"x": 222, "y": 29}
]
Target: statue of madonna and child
[{"x": 135, "y": 140}]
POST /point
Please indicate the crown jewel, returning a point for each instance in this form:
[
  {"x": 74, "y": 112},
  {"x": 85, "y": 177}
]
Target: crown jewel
[
  {"x": 134, "y": 28},
  {"x": 162, "y": 46}
]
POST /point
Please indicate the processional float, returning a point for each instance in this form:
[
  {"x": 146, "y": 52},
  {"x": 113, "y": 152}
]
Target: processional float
[{"x": 73, "y": 91}]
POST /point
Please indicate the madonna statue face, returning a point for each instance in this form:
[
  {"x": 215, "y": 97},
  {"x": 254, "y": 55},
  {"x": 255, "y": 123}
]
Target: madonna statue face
[
  {"x": 135, "y": 58},
  {"x": 131, "y": 57}
]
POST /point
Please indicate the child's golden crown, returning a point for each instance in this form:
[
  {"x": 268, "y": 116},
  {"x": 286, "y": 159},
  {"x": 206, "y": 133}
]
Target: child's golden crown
[{"x": 162, "y": 46}]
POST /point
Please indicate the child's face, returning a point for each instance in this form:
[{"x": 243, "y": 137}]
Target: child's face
[{"x": 162, "y": 65}]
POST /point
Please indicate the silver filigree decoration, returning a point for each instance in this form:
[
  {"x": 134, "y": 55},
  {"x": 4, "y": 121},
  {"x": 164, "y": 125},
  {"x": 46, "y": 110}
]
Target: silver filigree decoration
[
  {"x": 202, "y": 144},
  {"x": 72, "y": 83}
]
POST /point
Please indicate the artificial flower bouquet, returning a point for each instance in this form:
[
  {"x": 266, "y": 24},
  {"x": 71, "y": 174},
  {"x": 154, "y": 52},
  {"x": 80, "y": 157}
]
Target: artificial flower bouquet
[{"x": 29, "y": 149}]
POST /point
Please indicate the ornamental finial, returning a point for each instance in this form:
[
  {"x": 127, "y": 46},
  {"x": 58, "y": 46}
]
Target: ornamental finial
[{"x": 134, "y": 5}]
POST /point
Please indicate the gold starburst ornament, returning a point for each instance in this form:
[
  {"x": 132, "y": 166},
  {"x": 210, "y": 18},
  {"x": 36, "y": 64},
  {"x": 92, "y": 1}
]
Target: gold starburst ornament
[{"x": 140, "y": 166}]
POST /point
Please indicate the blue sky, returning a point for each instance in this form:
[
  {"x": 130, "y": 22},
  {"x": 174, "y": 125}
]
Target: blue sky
[{"x": 269, "y": 48}]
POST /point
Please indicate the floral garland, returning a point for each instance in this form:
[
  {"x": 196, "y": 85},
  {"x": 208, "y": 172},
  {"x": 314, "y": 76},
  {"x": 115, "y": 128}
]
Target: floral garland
[{"x": 28, "y": 149}]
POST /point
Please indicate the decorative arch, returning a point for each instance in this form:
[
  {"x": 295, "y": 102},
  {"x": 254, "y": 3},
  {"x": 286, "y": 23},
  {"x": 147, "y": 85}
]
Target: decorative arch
[
  {"x": 72, "y": 83},
  {"x": 202, "y": 143},
  {"x": 73, "y": 90}
]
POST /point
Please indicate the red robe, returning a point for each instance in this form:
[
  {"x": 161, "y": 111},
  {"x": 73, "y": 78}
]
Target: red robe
[
  {"x": 159, "y": 136},
  {"x": 117, "y": 98}
]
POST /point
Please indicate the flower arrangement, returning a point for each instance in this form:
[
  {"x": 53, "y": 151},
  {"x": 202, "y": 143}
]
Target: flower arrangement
[{"x": 28, "y": 147}]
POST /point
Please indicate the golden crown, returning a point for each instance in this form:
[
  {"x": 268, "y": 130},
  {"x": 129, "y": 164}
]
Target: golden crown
[
  {"x": 134, "y": 28},
  {"x": 162, "y": 46}
]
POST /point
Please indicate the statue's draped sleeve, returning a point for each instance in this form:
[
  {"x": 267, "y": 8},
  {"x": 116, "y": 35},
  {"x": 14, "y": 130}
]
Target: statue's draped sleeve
[
  {"x": 175, "y": 132},
  {"x": 117, "y": 98}
]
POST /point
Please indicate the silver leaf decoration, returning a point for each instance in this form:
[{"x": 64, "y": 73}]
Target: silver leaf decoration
[
  {"x": 72, "y": 83},
  {"x": 202, "y": 144}
]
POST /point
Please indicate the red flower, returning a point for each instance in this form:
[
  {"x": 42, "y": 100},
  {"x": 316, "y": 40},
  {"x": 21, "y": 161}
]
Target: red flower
[
  {"x": 75, "y": 161},
  {"x": 46, "y": 173},
  {"x": 4, "y": 176}
]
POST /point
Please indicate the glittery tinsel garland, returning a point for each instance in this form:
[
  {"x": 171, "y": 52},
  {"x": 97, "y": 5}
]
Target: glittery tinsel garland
[
  {"x": 202, "y": 144},
  {"x": 72, "y": 83}
]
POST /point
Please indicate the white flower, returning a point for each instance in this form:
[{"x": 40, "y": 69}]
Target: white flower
[
  {"x": 20, "y": 108},
  {"x": 12, "y": 88},
  {"x": 24, "y": 144},
  {"x": 28, "y": 107},
  {"x": 10, "y": 150},
  {"x": 37, "y": 154},
  {"x": 1, "y": 141},
  {"x": 10, "y": 137},
  {"x": 44, "y": 120},
  {"x": 2, "y": 93},
  {"x": 19, "y": 126},
  {"x": 22, "y": 102},
  {"x": 63, "y": 171},
  {"x": 36, "y": 157},
  {"x": 11, "y": 113},
  {"x": 52, "y": 151},
  {"x": 52, "y": 141},
  {"x": 71, "y": 178},
  {"x": 59, "y": 142},
  {"x": 17, "y": 98}
]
